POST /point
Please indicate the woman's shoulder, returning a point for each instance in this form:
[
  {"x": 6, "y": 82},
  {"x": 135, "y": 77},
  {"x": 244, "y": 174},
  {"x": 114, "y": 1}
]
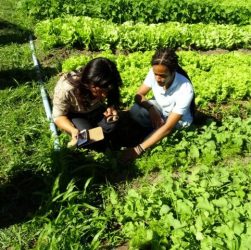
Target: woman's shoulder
[
  {"x": 183, "y": 79},
  {"x": 182, "y": 83},
  {"x": 63, "y": 82}
]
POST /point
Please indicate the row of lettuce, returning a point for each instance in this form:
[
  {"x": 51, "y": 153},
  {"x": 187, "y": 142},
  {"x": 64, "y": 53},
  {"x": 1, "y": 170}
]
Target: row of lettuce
[
  {"x": 96, "y": 34},
  {"x": 216, "y": 77},
  {"x": 201, "y": 207},
  {"x": 147, "y": 11}
]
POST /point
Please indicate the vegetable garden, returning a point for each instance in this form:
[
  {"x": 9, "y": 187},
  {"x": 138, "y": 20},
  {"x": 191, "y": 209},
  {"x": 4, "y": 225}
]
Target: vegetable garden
[{"x": 191, "y": 191}]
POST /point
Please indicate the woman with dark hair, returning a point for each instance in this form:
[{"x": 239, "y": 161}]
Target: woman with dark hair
[
  {"x": 172, "y": 106},
  {"x": 83, "y": 98}
]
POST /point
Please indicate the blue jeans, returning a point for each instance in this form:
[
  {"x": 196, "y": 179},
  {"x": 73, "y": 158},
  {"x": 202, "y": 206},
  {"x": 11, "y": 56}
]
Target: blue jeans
[{"x": 141, "y": 115}]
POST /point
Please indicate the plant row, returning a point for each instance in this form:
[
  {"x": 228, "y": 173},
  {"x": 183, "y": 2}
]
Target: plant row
[
  {"x": 119, "y": 11},
  {"x": 97, "y": 34},
  {"x": 212, "y": 82}
]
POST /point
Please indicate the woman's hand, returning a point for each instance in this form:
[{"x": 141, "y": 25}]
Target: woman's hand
[
  {"x": 65, "y": 124},
  {"x": 130, "y": 154},
  {"x": 155, "y": 117},
  {"x": 74, "y": 138},
  {"x": 110, "y": 111}
]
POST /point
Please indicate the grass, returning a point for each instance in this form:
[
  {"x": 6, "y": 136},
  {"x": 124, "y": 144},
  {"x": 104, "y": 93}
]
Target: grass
[{"x": 79, "y": 200}]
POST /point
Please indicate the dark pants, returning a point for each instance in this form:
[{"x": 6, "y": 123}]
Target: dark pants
[
  {"x": 87, "y": 121},
  {"x": 126, "y": 133}
]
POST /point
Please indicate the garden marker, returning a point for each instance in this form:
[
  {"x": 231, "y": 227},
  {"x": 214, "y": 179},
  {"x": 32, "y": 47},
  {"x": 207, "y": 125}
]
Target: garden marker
[{"x": 45, "y": 98}]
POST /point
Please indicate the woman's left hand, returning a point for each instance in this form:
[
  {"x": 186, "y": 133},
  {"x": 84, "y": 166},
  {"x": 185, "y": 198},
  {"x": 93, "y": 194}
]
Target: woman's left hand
[
  {"x": 110, "y": 111},
  {"x": 127, "y": 156},
  {"x": 130, "y": 154},
  {"x": 74, "y": 138}
]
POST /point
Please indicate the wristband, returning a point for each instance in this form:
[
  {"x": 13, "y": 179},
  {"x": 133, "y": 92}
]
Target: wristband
[{"x": 139, "y": 150}]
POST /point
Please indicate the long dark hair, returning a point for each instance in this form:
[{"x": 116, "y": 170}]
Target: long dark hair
[
  {"x": 169, "y": 58},
  {"x": 101, "y": 72}
]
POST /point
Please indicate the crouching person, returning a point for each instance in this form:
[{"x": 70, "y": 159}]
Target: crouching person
[
  {"x": 83, "y": 99},
  {"x": 172, "y": 106}
]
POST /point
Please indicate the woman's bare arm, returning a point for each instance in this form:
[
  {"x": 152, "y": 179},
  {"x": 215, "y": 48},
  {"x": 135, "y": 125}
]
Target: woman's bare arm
[
  {"x": 66, "y": 125},
  {"x": 162, "y": 132}
]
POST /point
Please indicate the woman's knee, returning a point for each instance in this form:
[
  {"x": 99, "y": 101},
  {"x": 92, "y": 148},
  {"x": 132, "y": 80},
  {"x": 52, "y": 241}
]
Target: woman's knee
[
  {"x": 140, "y": 115},
  {"x": 81, "y": 123}
]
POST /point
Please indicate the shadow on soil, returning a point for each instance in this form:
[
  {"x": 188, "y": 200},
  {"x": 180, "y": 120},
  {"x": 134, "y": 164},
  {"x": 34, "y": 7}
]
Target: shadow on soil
[
  {"x": 14, "y": 77},
  {"x": 27, "y": 193},
  {"x": 21, "y": 196},
  {"x": 201, "y": 119},
  {"x": 12, "y": 33}
]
